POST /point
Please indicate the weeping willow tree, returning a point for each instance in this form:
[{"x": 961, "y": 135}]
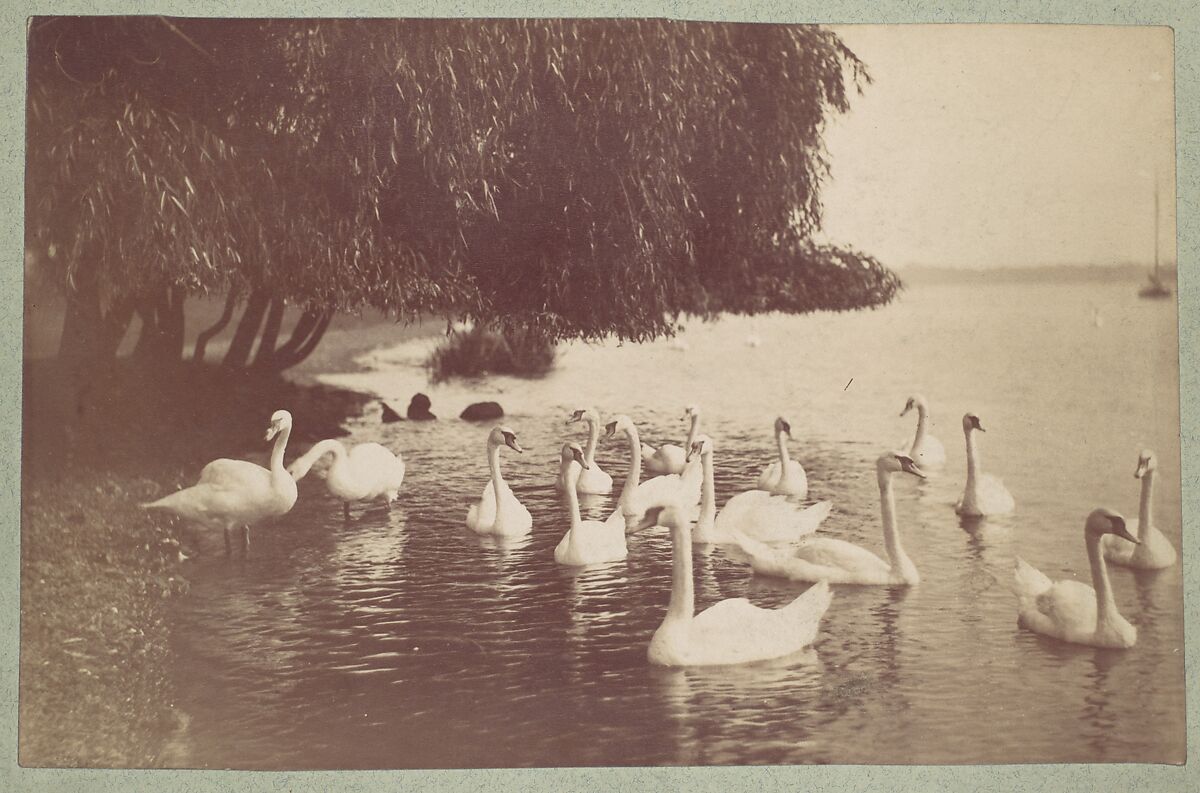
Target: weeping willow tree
[{"x": 563, "y": 178}]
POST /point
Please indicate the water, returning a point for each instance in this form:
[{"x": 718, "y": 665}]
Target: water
[{"x": 401, "y": 639}]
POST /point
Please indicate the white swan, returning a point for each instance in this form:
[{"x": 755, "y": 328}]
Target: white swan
[
  {"x": 669, "y": 458},
  {"x": 1072, "y": 611},
  {"x": 840, "y": 562},
  {"x": 367, "y": 472},
  {"x": 593, "y": 480},
  {"x": 1153, "y": 551},
  {"x": 785, "y": 476},
  {"x": 498, "y": 511},
  {"x": 926, "y": 450},
  {"x": 640, "y": 502},
  {"x": 984, "y": 494},
  {"x": 586, "y": 541},
  {"x": 732, "y": 631},
  {"x": 238, "y": 493},
  {"x": 759, "y": 514}
]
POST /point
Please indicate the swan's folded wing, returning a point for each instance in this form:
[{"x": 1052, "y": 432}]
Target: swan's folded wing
[
  {"x": 747, "y": 632},
  {"x": 839, "y": 554},
  {"x": 1070, "y": 604},
  {"x": 660, "y": 491},
  {"x": 768, "y": 477},
  {"x": 232, "y": 473},
  {"x": 770, "y": 518}
]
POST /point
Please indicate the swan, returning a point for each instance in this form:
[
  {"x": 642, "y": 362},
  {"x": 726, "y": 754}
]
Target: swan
[
  {"x": 669, "y": 458},
  {"x": 757, "y": 513},
  {"x": 498, "y": 511},
  {"x": 840, "y": 562},
  {"x": 984, "y": 494},
  {"x": 1072, "y": 611},
  {"x": 732, "y": 631},
  {"x": 926, "y": 450},
  {"x": 640, "y": 502},
  {"x": 367, "y": 472},
  {"x": 593, "y": 480},
  {"x": 785, "y": 476},
  {"x": 586, "y": 541},
  {"x": 1153, "y": 551},
  {"x": 236, "y": 492}
]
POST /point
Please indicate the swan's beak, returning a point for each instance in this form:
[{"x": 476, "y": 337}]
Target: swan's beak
[
  {"x": 272, "y": 431},
  {"x": 691, "y": 452},
  {"x": 579, "y": 459},
  {"x": 1118, "y": 528},
  {"x": 910, "y": 467},
  {"x": 576, "y": 416},
  {"x": 1141, "y": 469},
  {"x": 907, "y": 408},
  {"x": 610, "y": 430},
  {"x": 512, "y": 444}
]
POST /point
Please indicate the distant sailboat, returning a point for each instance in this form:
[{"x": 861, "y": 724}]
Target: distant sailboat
[{"x": 1156, "y": 289}]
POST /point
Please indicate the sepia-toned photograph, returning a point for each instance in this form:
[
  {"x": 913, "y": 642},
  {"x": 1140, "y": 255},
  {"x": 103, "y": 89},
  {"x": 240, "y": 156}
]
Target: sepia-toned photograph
[{"x": 494, "y": 393}]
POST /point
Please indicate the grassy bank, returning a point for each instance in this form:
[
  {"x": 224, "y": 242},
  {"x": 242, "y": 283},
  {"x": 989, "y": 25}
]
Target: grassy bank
[{"x": 97, "y": 573}]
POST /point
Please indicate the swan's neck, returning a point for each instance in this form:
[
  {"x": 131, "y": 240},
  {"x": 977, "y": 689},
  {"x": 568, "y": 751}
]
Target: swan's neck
[
  {"x": 497, "y": 479},
  {"x": 1144, "y": 507},
  {"x": 708, "y": 495},
  {"x": 571, "y": 477},
  {"x": 972, "y": 459},
  {"x": 1105, "y": 605},
  {"x": 683, "y": 596},
  {"x": 922, "y": 425},
  {"x": 784, "y": 460},
  {"x": 589, "y": 453},
  {"x": 891, "y": 532},
  {"x": 304, "y": 464},
  {"x": 277, "y": 452},
  {"x": 693, "y": 431},
  {"x": 635, "y": 468}
]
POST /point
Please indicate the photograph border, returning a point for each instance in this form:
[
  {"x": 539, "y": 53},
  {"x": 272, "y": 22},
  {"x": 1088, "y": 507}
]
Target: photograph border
[{"x": 1186, "y": 24}]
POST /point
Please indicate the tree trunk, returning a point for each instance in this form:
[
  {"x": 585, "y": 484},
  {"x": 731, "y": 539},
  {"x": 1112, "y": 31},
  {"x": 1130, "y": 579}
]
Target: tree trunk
[
  {"x": 171, "y": 322},
  {"x": 247, "y": 330},
  {"x": 304, "y": 326},
  {"x": 208, "y": 333},
  {"x": 305, "y": 348},
  {"x": 270, "y": 335}
]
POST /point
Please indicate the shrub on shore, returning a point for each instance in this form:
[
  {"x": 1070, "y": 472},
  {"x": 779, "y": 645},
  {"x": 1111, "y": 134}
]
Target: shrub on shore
[{"x": 478, "y": 351}]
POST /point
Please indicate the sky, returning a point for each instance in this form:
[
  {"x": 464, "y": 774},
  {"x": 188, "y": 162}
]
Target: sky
[{"x": 1008, "y": 145}]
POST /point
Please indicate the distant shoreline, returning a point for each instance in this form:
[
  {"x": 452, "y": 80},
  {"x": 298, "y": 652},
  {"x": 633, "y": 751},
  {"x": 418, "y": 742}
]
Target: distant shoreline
[{"x": 1129, "y": 273}]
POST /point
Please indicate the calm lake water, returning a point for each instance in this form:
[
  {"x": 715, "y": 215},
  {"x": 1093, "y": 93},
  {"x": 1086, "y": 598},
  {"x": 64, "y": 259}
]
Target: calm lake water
[{"x": 402, "y": 639}]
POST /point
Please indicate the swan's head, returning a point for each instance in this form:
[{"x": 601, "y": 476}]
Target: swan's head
[
  {"x": 618, "y": 425},
  {"x": 503, "y": 436},
  {"x": 898, "y": 462},
  {"x": 971, "y": 422},
  {"x": 782, "y": 425},
  {"x": 1104, "y": 521},
  {"x": 916, "y": 402},
  {"x": 701, "y": 446},
  {"x": 1147, "y": 462},
  {"x": 691, "y": 411},
  {"x": 572, "y": 452},
  {"x": 584, "y": 414},
  {"x": 280, "y": 420}
]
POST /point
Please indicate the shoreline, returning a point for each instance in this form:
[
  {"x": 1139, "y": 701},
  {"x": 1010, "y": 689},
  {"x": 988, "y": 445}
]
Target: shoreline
[{"x": 97, "y": 573}]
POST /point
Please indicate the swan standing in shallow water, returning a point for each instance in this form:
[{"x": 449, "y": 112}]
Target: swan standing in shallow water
[
  {"x": 926, "y": 450},
  {"x": 757, "y": 513},
  {"x": 640, "y": 502},
  {"x": 593, "y": 480},
  {"x": 984, "y": 494},
  {"x": 367, "y": 472},
  {"x": 498, "y": 511},
  {"x": 1069, "y": 610},
  {"x": 732, "y": 631},
  {"x": 234, "y": 493},
  {"x": 785, "y": 476},
  {"x": 840, "y": 562},
  {"x": 669, "y": 458},
  {"x": 1152, "y": 551},
  {"x": 586, "y": 541}
]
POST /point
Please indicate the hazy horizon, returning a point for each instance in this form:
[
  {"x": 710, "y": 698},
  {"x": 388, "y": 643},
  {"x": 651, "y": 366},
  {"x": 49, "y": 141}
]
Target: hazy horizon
[{"x": 981, "y": 146}]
